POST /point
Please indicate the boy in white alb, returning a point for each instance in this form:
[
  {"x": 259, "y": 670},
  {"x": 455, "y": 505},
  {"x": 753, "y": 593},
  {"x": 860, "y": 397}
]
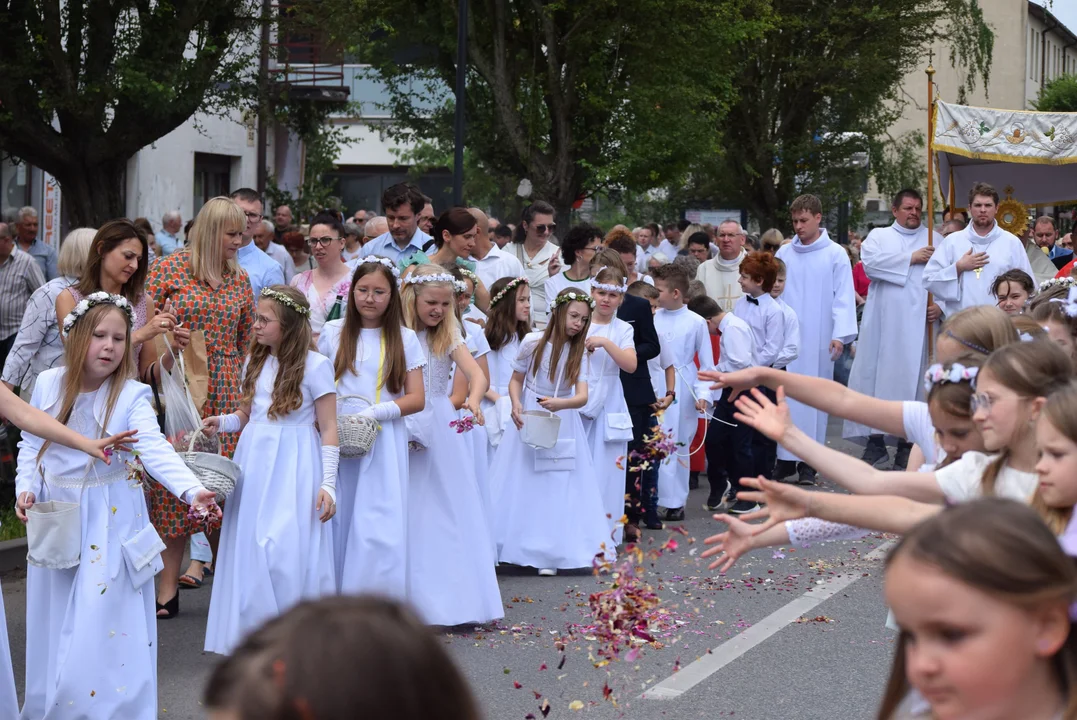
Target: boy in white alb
[
  {"x": 820, "y": 291},
  {"x": 729, "y": 443},
  {"x": 758, "y": 272},
  {"x": 791, "y": 340},
  {"x": 686, "y": 336}
]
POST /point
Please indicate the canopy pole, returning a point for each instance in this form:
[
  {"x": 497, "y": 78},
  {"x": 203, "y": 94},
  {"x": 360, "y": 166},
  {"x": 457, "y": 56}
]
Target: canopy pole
[{"x": 930, "y": 189}]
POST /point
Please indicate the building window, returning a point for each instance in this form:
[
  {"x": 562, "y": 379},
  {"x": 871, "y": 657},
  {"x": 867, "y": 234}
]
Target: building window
[{"x": 212, "y": 177}]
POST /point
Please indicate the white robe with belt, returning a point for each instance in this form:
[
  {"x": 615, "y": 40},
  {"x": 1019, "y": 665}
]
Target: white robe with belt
[
  {"x": 891, "y": 354},
  {"x": 819, "y": 288}
]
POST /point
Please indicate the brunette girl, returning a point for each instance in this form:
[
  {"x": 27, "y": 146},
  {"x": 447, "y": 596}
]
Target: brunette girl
[
  {"x": 507, "y": 325},
  {"x": 548, "y": 503},
  {"x": 276, "y": 549},
  {"x": 374, "y": 357}
]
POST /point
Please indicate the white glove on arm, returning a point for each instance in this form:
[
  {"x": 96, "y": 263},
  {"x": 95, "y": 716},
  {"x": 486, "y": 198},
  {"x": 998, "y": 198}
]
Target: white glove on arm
[
  {"x": 330, "y": 461},
  {"x": 382, "y": 412},
  {"x": 228, "y": 423}
]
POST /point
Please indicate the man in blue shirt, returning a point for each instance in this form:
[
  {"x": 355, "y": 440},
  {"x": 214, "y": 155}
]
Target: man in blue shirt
[
  {"x": 168, "y": 236},
  {"x": 45, "y": 255},
  {"x": 262, "y": 269},
  {"x": 402, "y": 204}
]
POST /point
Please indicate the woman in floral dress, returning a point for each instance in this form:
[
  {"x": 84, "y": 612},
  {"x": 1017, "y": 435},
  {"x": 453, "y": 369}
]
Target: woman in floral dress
[{"x": 208, "y": 291}]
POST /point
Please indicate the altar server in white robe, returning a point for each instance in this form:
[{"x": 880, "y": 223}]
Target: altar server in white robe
[
  {"x": 891, "y": 353},
  {"x": 819, "y": 288},
  {"x": 687, "y": 337},
  {"x": 961, "y": 271},
  {"x": 721, "y": 274},
  {"x": 91, "y": 632}
]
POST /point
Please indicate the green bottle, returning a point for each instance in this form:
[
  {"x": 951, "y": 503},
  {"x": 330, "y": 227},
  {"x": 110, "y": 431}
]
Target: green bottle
[{"x": 337, "y": 310}]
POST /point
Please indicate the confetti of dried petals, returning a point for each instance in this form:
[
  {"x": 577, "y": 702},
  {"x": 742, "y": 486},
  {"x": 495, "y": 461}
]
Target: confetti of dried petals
[
  {"x": 463, "y": 425},
  {"x": 657, "y": 446},
  {"x": 136, "y": 472},
  {"x": 623, "y": 611}
]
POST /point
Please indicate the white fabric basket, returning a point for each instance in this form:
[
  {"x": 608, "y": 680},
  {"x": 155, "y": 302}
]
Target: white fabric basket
[
  {"x": 54, "y": 534},
  {"x": 541, "y": 428}
]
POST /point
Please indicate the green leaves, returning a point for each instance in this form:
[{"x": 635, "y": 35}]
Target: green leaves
[{"x": 1058, "y": 95}]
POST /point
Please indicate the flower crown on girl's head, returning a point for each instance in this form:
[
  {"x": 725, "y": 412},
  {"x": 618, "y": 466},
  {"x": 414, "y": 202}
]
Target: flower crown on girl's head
[
  {"x": 937, "y": 375},
  {"x": 573, "y": 296},
  {"x": 286, "y": 301},
  {"x": 381, "y": 261},
  {"x": 468, "y": 274},
  {"x": 596, "y": 285},
  {"x": 414, "y": 279},
  {"x": 93, "y": 300},
  {"x": 1069, "y": 305},
  {"x": 1055, "y": 282},
  {"x": 509, "y": 287}
]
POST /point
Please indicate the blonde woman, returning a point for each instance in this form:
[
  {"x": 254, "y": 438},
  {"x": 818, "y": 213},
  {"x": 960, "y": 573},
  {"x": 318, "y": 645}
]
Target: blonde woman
[
  {"x": 38, "y": 346},
  {"x": 208, "y": 291}
]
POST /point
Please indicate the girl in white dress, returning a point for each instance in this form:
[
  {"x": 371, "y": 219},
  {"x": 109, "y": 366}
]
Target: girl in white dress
[
  {"x": 374, "y": 357},
  {"x": 549, "y": 508},
  {"x": 91, "y": 631},
  {"x": 480, "y": 351},
  {"x": 507, "y": 325},
  {"x": 276, "y": 548},
  {"x": 605, "y": 417},
  {"x": 451, "y": 577}
]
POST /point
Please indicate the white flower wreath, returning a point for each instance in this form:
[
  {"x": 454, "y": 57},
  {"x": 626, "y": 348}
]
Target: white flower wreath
[
  {"x": 458, "y": 286},
  {"x": 92, "y": 300},
  {"x": 381, "y": 261}
]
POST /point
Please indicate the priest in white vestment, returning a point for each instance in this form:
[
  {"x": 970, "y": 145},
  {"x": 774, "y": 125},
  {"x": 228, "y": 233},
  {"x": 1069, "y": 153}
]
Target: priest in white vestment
[
  {"x": 721, "y": 274},
  {"x": 962, "y": 270},
  {"x": 891, "y": 352},
  {"x": 819, "y": 288}
]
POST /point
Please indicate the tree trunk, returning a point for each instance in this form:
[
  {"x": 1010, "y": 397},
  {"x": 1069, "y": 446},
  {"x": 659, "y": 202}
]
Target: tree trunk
[{"x": 93, "y": 195}]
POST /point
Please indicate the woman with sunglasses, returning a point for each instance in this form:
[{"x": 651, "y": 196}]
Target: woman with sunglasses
[
  {"x": 328, "y": 285},
  {"x": 540, "y": 257}
]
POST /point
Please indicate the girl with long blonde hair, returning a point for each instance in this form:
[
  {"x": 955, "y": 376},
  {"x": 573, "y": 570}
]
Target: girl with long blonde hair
[
  {"x": 73, "y": 601},
  {"x": 449, "y": 543},
  {"x": 276, "y": 548}
]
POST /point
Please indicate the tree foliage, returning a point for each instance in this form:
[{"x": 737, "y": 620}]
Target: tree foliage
[
  {"x": 87, "y": 83},
  {"x": 823, "y": 84},
  {"x": 1058, "y": 95},
  {"x": 577, "y": 97}
]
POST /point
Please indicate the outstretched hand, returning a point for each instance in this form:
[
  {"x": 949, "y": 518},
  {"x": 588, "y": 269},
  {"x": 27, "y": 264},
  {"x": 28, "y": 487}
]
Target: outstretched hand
[
  {"x": 763, "y": 415},
  {"x": 104, "y": 448},
  {"x": 731, "y": 544},
  {"x": 739, "y": 382},
  {"x": 781, "y": 502}
]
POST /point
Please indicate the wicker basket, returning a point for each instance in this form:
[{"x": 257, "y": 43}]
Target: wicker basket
[
  {"x": 357, "y": 433},
  {"x": 216, "y": 472}
]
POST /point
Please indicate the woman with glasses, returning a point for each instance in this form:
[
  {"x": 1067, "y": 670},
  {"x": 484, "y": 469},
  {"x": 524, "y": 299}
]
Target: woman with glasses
[
  {"x": 207, "y": 291},
  {"x": 540, "y": 257},
  {"x": 328, "y": 285},
  {"x": 578, "y": 249}
]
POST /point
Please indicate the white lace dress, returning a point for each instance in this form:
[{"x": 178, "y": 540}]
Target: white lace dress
[
  {"x": 451, "y": 578},
  {"x": 548, "y": 507},
  {"x": 370, "y": 527}
]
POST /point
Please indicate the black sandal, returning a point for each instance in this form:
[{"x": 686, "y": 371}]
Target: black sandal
[{"x": 171, "y": 607}]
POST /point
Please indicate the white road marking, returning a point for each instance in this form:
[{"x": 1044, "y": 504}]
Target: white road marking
[{"x": 691, "y": 675}]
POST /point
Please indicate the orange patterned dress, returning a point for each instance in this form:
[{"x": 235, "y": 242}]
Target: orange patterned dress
[{"x": 226, "y": 316}]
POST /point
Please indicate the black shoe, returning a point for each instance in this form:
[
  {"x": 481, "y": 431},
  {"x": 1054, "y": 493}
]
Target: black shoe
[
  {"x": 740, "y": 507},
  {"x": 716, "y": 501},
  {"x": 674, "y": 514},
  {"x": 171, "y": 608},
  {"x": 693, "y": 480},
  {"x": 783, "y": 469},
  {"x": 806, "y": 475},
  {"x": 876, "y": 454},
  {"x": 901, "y": 457},
  {"x": 654, "y": 525}
]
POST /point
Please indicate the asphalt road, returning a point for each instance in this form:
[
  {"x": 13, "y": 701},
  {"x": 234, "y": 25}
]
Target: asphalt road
[{"x": 749, "y": 645}]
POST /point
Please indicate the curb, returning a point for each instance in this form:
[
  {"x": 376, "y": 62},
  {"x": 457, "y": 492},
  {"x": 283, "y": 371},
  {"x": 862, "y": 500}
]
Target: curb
[{"x": 12, "y": 554}]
